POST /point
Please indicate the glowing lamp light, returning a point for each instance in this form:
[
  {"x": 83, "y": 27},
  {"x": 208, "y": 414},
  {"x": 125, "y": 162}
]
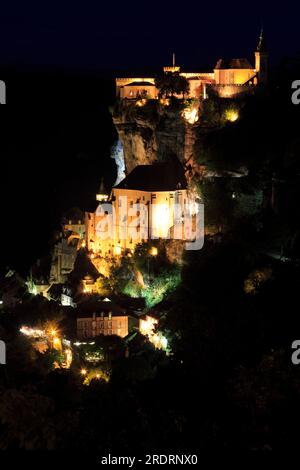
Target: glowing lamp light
[
  {"x": 92, "y": 256},
  {"x": 83, "y": 372},
  {"x": 164, "y": 101},
  {"x": 97, "y": 376},
  {"x": 141, "y": 102},
  {"x": 33, "y": 332},
  {"x": 101, "y": 197},
  {"x": 118, "y": 250},
  {"x": 147, "y": 326},
  {"x": 231, "y": 115},
  {"x": 154, "y": 251},
  {"x": 191, "y": 115}
]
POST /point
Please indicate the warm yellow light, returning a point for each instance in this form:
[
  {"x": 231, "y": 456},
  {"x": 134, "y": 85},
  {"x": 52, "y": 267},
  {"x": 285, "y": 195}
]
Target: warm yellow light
[
  {"x": 164, "y": 101},
  {"x": 141, "y": 102},
  {"x": 118, "y": 250},
  {"x": 161, "y": 220},
  {"x": 56, "y": 343},
  {"x": 101, "y": 197},
  {"x": 83, "y": 371},
  {"x": 92, "y": 256},
  {"x": 35, "y": 333},
  {"x": 97, "y": 376},
  {"x": 154, "y": 251},
  {"x": 147, "y": 326},
  {"x": 231, "y": 115},
  {"x": 191, "y": 115},
  {"x": 68, "y": 358}
]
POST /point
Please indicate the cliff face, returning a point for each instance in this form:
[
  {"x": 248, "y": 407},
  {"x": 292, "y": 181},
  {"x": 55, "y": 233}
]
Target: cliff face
[{"x": 152, "y": 133}]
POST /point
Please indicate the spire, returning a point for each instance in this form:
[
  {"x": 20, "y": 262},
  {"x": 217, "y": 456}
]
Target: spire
[
  {"x": 102, "y": 194},
  {"x": 173, "y": 59},
  {"x": 261, "y": 47},
  {"x": 102, "y": 187}
]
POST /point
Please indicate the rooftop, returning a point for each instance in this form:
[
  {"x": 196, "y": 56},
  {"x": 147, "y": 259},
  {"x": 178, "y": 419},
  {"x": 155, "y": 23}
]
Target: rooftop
[
  {"x": 163, "y": 176},
  {"x": 140, "y": 84},
  {"x": 233, "y": 64}
]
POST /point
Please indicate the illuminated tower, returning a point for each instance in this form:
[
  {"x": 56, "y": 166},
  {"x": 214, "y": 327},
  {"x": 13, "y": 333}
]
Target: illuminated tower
[
  {"x": 262, "y": 60},
  {"x": 102, "y": 195},
  {"x": 174, "y": 68}
]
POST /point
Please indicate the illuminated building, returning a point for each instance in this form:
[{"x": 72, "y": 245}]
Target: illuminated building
[
  {"x": 228, "y": 78},
  {"x": 102, "y": 318},
  {"x": 142, "y": 208}
]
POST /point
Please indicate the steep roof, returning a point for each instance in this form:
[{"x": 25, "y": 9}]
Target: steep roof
[
  {"x": 162, "y": 176},
  {"x": 102, "y": 189},
  {"x": 233, "y": 64}
]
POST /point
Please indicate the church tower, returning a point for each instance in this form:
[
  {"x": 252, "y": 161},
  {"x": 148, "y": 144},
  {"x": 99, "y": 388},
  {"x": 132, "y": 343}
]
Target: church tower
[
  {"x": 262, "y": 60},
  {"x": 102, "y": 195}
]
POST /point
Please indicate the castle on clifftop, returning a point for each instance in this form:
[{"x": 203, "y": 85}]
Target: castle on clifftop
[{"x": 228, "y": 79}]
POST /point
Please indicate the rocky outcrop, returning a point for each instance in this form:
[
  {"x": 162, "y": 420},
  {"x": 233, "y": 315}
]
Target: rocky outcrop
[{"x": 153, "y": 132}]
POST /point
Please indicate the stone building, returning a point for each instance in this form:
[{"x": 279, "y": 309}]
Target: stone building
[
  {"x": 96, "y": 318},
  {"x": 148, "y": 204},
  {"x": 228, "y": 78},
  {"x": 63, "y": 259}
]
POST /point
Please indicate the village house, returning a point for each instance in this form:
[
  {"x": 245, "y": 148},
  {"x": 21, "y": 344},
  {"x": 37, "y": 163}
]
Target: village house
[{"x": 95, "y": 317}]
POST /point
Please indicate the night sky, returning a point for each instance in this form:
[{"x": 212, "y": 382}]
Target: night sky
[{"x": 120, "y": 35}]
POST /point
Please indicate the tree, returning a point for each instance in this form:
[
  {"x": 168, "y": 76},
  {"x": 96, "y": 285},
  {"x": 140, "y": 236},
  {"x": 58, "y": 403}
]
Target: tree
[{"x": 172, "y": 83}]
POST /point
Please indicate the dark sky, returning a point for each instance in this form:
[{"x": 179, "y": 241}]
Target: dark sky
[{"x": 114, "y": 35}]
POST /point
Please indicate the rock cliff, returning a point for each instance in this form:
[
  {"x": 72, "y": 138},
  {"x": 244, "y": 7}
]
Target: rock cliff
[{"x": 153, "y": 132}]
